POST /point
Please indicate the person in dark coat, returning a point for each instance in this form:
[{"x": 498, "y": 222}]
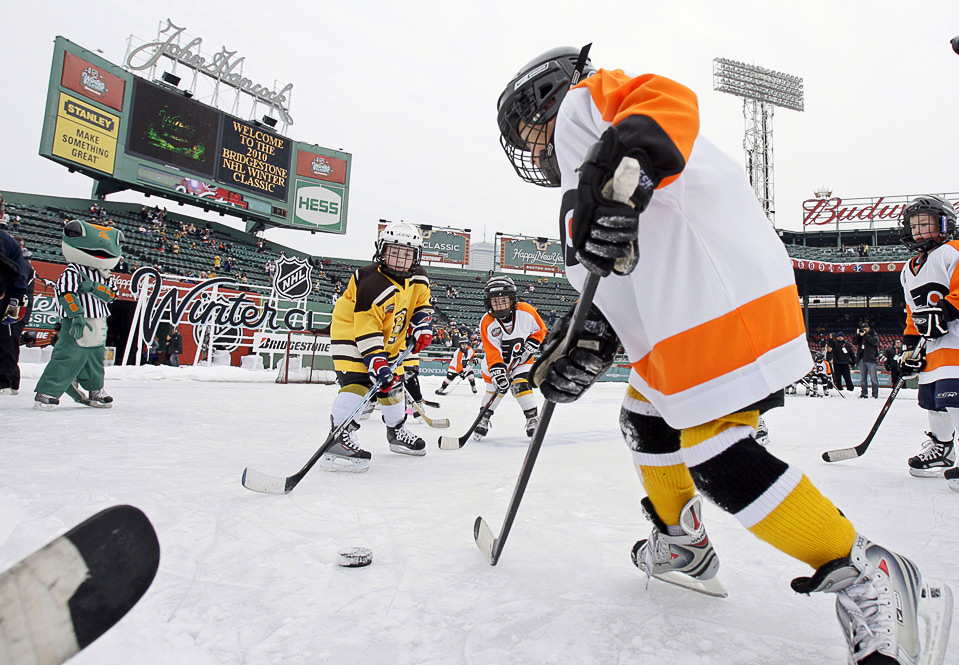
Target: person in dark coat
[
  {"x": 891, "y": 358},
  {"x": 174, "y": 347},
  {"x": 16, "y": 290},
  {"x": 841, "y": 354},
  {"x": 867, "y": 340}
]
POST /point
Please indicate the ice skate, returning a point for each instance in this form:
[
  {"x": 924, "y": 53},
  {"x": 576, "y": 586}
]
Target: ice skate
[
  {"x": 532, "y": 420},
  {"x": 688, "y": 560},
  {"x": 952, "y": 478},
  {"x": 473, "y": 386},
  {"x": 762, "y": 433},
  {"x": 45, "y": 402},
  {"x": 482, "y": 427},
  {"x": 881, "y": 597},
  {"x": 345, "y": 455},
  {"x": 442, "y": 389},
  {"x": 12, "y": 391},
  {"x": 936, "y": 457},
  {"x": 99, "y": 399},
  {"x": 404, "y": 441}
]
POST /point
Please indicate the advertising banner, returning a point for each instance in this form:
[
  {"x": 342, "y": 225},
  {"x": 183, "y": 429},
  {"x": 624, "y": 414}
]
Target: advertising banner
[
  {"x": 821, "y": 266},
  {"x": 541, "y": 255},
  {"x": 321, "y": 167},
  {"x": 319, "y": 206},
  {"x": 254, "y": 160},
  {"x": 91, "y": 81},
  {"x": 85, "y": 135}
]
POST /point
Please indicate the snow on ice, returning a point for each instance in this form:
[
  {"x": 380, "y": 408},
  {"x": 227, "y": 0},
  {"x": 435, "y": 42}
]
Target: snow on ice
[{"x": 251, "y": 578}]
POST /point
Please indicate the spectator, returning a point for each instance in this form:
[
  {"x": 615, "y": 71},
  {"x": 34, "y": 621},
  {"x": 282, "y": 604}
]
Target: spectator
[
  {"x": 891, "y": 358},
  {"x": 868, "y": 341},
  {"x": 174, "y": 347},
  {"x": 841, "y": 354}
]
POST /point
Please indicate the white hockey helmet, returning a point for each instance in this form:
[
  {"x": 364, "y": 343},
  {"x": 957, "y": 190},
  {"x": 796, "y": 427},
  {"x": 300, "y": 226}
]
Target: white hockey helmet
[{"x": 394, "y": 260}]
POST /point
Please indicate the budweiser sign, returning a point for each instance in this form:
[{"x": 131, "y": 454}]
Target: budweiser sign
[{"x": 817, "y": 212}]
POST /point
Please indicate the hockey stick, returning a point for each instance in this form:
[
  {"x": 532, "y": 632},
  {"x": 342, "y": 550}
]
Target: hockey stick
[
  {"x": 454, "y": 443},
  {"x": 857, "y": 451},
  {"x": 491, "y": 546},
  {"x": 263, "y": 482},
  {"x": 449, "y": 388},
  {"x": 438, "y": 423},
  {"x": 432, "y": 405}
]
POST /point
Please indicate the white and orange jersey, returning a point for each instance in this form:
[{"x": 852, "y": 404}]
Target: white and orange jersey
[
  {"x": 502, "y": 341},
  {"x": 822, "y": 367},
  {"x": 927, "y": 279},
  {"x": 462, "y": 359},
  {"x": 710, "y": 317}
]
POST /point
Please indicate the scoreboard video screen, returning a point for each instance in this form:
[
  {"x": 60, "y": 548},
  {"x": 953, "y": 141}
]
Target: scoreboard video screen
[{"x": 128, "y": 132}]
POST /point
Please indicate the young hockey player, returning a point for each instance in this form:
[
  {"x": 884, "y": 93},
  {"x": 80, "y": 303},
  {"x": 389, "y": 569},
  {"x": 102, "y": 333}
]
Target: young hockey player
[
  {"x": 84, "y": 293},
  {"x": 511, "y": 334},
  {"x": 384, "y": 303},
  {"x": 698, "y": 267},
  {"x": 461, "y": 365},
  {"x": 820, "y": 375},
  {"x": 928, "y": 226}
]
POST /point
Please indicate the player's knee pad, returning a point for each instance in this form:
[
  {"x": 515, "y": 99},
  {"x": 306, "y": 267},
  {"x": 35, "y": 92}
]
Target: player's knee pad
[
  {"x": 520, "y": 387},
  {"x": 648, "y": 434}
]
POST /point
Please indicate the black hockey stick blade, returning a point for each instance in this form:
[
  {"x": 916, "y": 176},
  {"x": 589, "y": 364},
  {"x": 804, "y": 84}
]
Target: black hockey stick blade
[
  {"x": 432, "y": 405},
  {"x": 61, "y": 598},
  {"x": 454, "y": 443}
]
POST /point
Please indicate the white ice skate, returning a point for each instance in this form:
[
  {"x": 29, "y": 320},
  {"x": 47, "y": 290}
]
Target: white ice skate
[
  {"x": 936, "y": 457},
  {"x": 532, "y": 420},
  {"x": 345, "y": 455},
  {"x": 482, "y": 427},
  {"x": 762, "y": 433},
  {"x": 880, "y": 599},
  {"x": 98, "y": 399},
  {"x": 688, "y": 560},
  {"x": 368, "y": 408}
]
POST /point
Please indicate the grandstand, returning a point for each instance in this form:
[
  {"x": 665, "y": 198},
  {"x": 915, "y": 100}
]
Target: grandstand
[{"x": 831, "y": 302}]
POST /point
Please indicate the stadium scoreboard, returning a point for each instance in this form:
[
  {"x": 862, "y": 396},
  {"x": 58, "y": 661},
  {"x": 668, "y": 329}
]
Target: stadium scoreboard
[{"x": 130, "y": 133}]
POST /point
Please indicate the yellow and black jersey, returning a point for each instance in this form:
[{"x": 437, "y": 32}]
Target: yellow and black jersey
[{"x": 373, "y": 315}]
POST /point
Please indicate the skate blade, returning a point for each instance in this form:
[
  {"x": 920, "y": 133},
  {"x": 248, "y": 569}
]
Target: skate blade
[
  {"x": 335, "y": 463},
  {"x": 927, "y": 473},
  {"x": 712, "y": 587},
  {"x": 40, "y": 406},
  {"x": 953, "y": 484},
  {"x": 403, "y": 450},
  {"x": 935, "y": 609},
  {"x": 98, "y": 405}
]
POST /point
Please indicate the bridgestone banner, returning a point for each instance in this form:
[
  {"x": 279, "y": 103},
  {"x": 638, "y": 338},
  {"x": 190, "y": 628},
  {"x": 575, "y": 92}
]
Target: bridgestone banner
[{"x": 531, "y": 254}]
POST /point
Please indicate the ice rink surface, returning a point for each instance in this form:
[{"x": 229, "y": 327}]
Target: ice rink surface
[{"x": 252, "y": 578}]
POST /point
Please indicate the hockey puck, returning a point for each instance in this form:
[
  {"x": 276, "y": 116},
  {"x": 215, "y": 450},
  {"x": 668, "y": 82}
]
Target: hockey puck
[{"x": 355, "y": 557}]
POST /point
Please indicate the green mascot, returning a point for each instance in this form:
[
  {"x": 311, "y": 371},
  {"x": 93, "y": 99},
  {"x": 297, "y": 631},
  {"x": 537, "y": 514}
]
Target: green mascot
[{"x": 84, "y": 293}]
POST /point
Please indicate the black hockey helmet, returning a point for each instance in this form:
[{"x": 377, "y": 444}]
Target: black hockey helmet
[
  {"x": 500, "y": 285},
  {"x": 398, "y": 234},
  {"x": 527, "y": 105},
  {"x": 942, "y": 210},
  {"x": 464, "y": 341}
]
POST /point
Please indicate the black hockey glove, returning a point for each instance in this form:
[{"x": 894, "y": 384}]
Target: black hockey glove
[
  {"x": 912, "y": 363},
  {"x": 604, "y": 230},
  {"x": 563, "y": 375},
  {"x": 500, "y": 377},
  {"x": 530, "y": 347},
  {"x": 932, "y": 320}
]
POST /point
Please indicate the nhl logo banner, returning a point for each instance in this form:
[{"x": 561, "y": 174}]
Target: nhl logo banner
[{"x": 292, "y": 279}]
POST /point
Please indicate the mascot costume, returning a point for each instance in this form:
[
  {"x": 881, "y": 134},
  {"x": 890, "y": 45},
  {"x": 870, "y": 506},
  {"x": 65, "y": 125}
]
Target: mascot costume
[{"x": 84, "y": 293}]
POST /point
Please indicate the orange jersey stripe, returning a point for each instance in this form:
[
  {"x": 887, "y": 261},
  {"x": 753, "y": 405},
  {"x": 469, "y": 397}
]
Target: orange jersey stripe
[
  {"x": 941, "y": 358},
  {"x": 671, "y": 105},
  {"x": 674, "y": 365},
  {"x": 493, "y": 353}
]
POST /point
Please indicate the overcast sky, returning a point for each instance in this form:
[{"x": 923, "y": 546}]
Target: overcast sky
[{"x": 410, "y": 89}]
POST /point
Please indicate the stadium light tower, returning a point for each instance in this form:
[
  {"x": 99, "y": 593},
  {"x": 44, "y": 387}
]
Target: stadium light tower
[{"x": 762, "y": 90}]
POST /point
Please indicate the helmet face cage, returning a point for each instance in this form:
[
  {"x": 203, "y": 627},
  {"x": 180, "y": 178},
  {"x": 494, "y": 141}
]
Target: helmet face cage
[
  {"x": 938, "y": 208},
  {"x": 392, "y": 250},
  {"x": 497, "y": 287},
  {"x": 529, "y": 103}
]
